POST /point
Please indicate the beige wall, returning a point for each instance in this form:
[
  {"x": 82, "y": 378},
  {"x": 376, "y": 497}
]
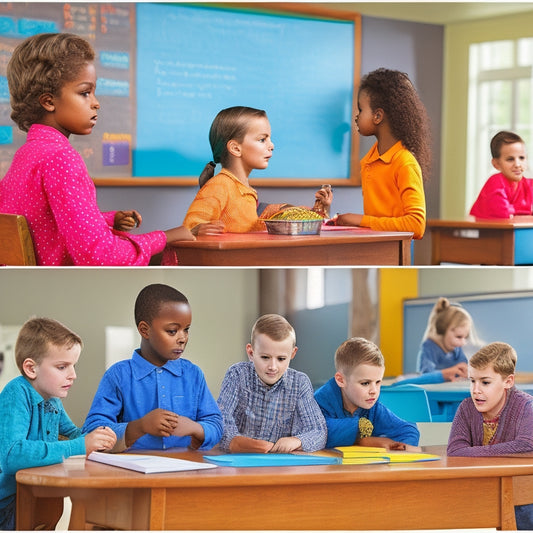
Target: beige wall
[
  {"x": 463, "y": 281},
  {"x": 224, "y": 306},
  {"x": 458, "y": 38}
]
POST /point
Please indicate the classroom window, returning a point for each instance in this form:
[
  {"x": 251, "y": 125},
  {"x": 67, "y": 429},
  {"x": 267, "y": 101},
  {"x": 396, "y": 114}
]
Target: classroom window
[
  {"x": 500, "y": 94},
  {"x": 315, "y": 288}
]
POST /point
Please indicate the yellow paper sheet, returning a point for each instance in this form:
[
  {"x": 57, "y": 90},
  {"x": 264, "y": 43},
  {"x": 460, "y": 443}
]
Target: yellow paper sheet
[{"x": 357, "y": 451}]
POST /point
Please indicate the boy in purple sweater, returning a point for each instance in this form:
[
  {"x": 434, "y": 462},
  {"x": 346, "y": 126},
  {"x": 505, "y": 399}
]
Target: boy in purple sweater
[{"x": 498, "y": 418}]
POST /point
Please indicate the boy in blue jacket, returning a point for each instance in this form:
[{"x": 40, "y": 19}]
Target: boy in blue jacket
[{"x": 349, "y": 402}]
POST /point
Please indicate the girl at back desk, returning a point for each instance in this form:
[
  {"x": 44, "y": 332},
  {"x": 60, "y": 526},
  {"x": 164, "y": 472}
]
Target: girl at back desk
[
  {"x": 52, "y": 82},
  {"x": 448, "y": 329},
  {"x": 240, "y": 139},
  {"x": 393, "y": 171}
]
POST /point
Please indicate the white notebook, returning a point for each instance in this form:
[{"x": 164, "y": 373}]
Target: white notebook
[{"x": 147, "y": 464}]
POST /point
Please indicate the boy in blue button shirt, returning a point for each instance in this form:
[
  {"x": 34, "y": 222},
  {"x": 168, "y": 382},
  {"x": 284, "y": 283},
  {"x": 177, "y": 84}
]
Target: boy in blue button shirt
[{"x": 157, "y": 399}]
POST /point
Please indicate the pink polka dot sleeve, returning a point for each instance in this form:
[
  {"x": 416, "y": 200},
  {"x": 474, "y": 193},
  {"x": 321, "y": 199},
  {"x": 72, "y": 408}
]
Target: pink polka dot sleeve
[
  {"x": 87, "y": 234},
  {"x": 49, "y": 184}
]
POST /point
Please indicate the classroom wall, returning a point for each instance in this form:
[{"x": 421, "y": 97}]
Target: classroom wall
[
  {"x": 465, "y": 280},
  {"x": 457, "y": 39},
  {"x": 224, "y": 306},
  {"x": 411, "y": 47}
]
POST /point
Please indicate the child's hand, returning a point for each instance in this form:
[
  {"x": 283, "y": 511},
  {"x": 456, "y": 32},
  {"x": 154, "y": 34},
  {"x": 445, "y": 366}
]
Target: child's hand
[
  {"x": 187, "y": 427},
  {"x": 286, "y": 445},
  {"x": 159, "y": 422},
  {"x": 240, "y": 444},
  {"x": 127, "y": 220},
  {"x": 101, "y": 439},
  {"x": 209, "y": 228},
  {"x": 325, "y": 196},
  {"x": 398, "y": 446},
  {"x": 179, "y": 234},
  {"x": 380, "y": 442},
  {"x": 348, "y": 219},
  {"x": 458, "y": 371},
  {"x": 323, "y": 199}
]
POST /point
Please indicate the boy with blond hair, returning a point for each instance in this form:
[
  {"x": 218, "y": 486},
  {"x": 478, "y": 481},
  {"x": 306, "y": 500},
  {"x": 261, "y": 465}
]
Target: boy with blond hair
[
  {"x": 497, "y": 419},
  {"x": 349, "y": 402},
  {"x": 46, "y": 353},
  {"x": 267, "y": 406}
]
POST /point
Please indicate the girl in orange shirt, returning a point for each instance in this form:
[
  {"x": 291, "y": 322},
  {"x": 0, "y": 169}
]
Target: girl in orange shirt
[
  {"x": 240, "y": 139},
  {"x": 393, "y": 171}
]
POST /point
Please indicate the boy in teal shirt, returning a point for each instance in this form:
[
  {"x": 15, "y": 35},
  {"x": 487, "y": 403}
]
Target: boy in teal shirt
[{"x": 45, "y": 352}]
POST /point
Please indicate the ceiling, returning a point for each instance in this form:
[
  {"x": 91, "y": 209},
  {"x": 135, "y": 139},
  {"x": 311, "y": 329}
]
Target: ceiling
[{"x": 435, "y": 12}]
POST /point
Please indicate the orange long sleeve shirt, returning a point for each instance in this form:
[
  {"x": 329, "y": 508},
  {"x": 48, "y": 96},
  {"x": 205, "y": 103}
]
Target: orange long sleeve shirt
[
  {"x": 393, "y": 191},
  {"x": 225, "y": 198}
]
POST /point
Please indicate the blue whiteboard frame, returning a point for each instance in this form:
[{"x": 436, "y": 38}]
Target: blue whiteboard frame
[{"x": 300, "y": 63}]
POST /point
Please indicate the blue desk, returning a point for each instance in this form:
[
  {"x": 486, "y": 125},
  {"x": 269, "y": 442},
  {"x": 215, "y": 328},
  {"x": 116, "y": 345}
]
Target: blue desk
[
  {"x": 482, "y": 242},
  {"x": 444, "y": 398}
]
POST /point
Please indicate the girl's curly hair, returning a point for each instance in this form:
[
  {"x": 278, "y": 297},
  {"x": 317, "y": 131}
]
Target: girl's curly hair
[
  {"x": 392, "y": 91},
  {"x": 43, "y": 64}
]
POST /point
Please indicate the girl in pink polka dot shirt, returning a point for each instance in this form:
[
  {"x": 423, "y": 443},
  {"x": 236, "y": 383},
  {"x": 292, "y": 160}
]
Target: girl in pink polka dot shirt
[{"x": 52, "y": 82}]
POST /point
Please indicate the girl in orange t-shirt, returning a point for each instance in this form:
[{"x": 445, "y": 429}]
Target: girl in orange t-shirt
[
  {"x": 392, "y": 171},
  {"x": 240, "y": 139}
]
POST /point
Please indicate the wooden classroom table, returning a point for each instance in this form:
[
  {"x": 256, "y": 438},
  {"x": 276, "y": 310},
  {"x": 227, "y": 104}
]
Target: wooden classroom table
[
  {"x": 453, "y": 492},
  {"x": 334, "y": 246},
  {"x": 482, "y": 242}
]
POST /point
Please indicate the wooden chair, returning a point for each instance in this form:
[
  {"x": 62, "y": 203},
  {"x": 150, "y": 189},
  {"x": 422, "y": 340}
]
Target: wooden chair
[{"x": 16, "y": 245}]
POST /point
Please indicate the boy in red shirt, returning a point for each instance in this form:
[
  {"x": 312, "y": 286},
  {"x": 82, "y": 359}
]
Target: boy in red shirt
[{"x": 507, "y": 193}]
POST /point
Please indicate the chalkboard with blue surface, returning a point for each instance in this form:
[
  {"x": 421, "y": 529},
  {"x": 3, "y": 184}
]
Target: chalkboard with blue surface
[
  {"x": 165, "y": 70},
  {"x": 193, "y": 61},
  {"x": 504, "y": 317}
]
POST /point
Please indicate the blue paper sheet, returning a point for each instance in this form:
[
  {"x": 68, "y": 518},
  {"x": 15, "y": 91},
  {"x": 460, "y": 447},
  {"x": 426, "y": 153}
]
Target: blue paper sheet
[{"x": 270, "y": 459}]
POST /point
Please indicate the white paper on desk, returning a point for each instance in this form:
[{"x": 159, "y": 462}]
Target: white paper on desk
[{"x": 147, "y": 464}]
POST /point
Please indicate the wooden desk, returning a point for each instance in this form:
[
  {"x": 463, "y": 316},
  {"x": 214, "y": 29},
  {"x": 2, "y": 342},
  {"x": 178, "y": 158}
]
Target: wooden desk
[
  {"x": 482, "y": 242},
  {"x": 334, "y": 246},
  {"x": 454, "y": 492}
]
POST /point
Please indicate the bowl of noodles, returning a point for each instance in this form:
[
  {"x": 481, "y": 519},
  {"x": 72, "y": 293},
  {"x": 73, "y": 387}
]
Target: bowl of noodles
[{"x": 294, "y": 221}]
